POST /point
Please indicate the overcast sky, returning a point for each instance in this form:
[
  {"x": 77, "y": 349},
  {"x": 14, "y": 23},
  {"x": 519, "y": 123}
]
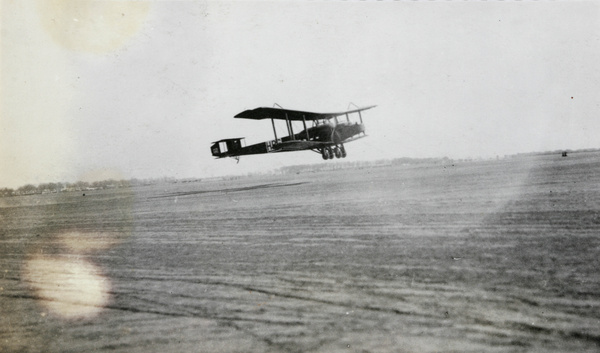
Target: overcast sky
[{"x": 140, "y": 89}]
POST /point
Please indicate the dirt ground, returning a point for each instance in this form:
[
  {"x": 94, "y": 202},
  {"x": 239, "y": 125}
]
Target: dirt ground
[{"x": 494, "y": 256}]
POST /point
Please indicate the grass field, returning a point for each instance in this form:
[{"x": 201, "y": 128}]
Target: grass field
[{"x": 495, "y": 256}]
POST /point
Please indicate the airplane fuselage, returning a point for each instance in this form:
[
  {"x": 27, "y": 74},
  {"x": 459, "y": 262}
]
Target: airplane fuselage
[{"x": 313, "y": 138}]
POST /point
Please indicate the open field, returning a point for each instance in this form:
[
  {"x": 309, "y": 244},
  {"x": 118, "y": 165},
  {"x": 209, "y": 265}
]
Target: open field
[{"x": 496, "y": 256}]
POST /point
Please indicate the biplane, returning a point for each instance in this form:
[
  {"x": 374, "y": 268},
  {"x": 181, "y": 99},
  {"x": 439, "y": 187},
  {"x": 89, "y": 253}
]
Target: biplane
[{"x": 326, "y": 135}]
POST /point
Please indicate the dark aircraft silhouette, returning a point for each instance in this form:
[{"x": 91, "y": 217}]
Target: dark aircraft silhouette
[{"x": 326, "y": 136}]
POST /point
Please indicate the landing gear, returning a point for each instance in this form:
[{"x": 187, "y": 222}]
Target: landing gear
[
  {"x": 343, "y": 150},
  {"x": 335, "y": 152}
]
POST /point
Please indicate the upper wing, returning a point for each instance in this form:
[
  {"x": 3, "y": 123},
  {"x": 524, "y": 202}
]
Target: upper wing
[{"x": 282, "y": 114}]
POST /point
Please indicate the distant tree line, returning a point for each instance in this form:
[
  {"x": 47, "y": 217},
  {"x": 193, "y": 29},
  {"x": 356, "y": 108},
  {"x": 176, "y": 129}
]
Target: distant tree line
[
  {"x": 53, "y": 188},
  {"x": 48, "y": 188}
]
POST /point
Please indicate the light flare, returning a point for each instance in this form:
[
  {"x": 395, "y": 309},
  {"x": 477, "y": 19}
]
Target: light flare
[{"x": 71, "y": 288}]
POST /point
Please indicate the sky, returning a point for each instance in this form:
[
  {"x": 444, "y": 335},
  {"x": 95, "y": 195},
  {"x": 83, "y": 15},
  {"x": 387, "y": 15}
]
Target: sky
[{"x": 108, "y": 89}]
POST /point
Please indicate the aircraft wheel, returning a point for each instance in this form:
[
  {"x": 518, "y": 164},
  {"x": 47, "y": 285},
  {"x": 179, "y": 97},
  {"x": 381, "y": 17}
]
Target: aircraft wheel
[
  {"x": 329, "y": 153},
  {"x": 325, "y": 154},
  {"x": 343, "y": 150},
  {"x": 338, "y": 153}
]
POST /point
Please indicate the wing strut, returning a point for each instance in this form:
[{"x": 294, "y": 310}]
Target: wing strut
[
  {"x": 273, "y": 122},
  {"x": 274, "y": 131},
  {"x": 289, "y": 126},
  {"x": 359, "y": 114},
  {"x": 305, "y": 129}
]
